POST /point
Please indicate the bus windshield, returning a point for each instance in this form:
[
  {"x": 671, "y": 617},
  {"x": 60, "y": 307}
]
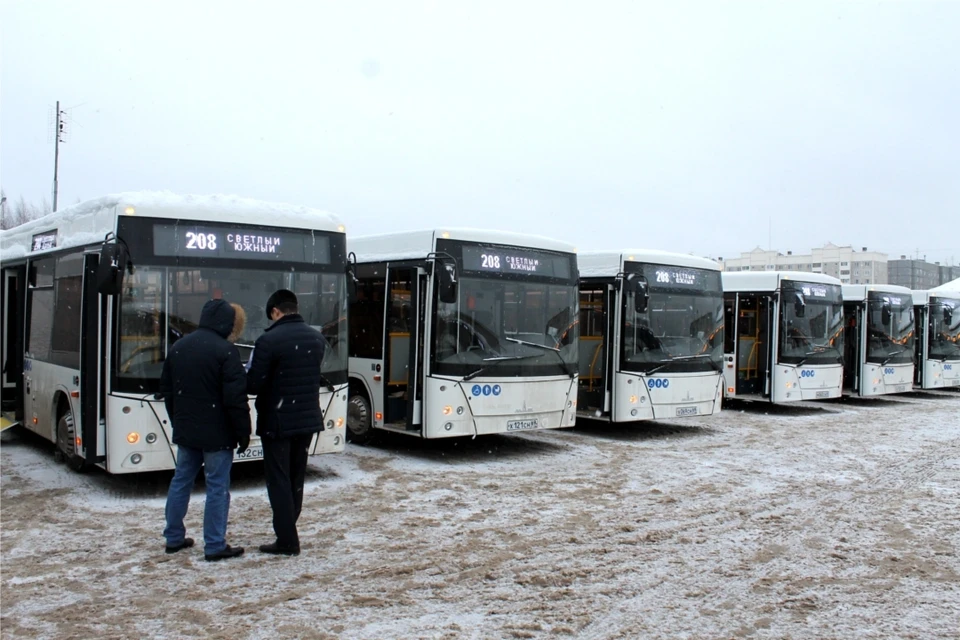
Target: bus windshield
[
  {"x": 944, "y": 329},
  {"x": 520, "y": 327},
  {"x": 681, "y": 327},
  {"x": 160, "y": 305},
  {"x": 890, "y": 328},
  {"x": 811, "y": 323}
]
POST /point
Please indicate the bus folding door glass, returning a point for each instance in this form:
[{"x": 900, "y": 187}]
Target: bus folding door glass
[
  {"x": 592, "y": 348},
  {"x": 41, "y": 309},
  {"x": 367, "y": 321},
  {"x": 400, "y": 325},
  {"x": 65, "y": 344}
]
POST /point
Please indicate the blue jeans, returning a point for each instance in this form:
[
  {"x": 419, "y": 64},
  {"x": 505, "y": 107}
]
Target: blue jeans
[{"x": 216, "y": 466}]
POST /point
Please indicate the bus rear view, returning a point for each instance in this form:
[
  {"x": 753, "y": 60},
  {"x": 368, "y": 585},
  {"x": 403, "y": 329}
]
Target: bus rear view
[
  {"x": 651, "y": 336},
  {"x": 462, "y": 332},
  {"x": 784, "y": 336}
]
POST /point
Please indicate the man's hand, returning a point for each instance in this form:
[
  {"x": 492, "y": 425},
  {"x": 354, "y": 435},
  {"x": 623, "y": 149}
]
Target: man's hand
[{"x": 243, "y": 444}]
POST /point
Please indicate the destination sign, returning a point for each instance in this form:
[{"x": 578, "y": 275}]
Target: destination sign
[
  {"x": 816, "y": 291},
  {"x": 516, "y": 261},
  {"x": 44, "y": 241},
  {"x": 813, "y": 291},
  {"x": 215, "y": 241},
  {"x": 669, "y": 277}
]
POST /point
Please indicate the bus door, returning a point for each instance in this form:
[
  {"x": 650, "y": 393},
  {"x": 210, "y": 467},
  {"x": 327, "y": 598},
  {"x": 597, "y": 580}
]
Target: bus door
[
  {"x": 93, "y": 384},
  {"x": 402, "y": 361},
  {"x": 596, "y": 331},
  {"x": 853, "y": 317},
  {"x": 753, "y": 351},
  {"x": 12, "y": 296},
  {"x": 919, "y": 343}
]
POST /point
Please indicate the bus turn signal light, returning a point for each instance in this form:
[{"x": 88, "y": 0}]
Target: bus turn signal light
[{"x": 133, "y": 437}]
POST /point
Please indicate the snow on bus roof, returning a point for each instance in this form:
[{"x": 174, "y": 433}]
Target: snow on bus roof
[
  {"x": 415, "y": 245},
  {"x": 89, "y": 221},
  {"x": 860, "y": 291},
  {"x": 599, "y": 264},
  {"x": 771, "y": 280}
]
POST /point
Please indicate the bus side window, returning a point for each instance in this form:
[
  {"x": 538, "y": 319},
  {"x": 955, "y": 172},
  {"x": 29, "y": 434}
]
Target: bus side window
[
  {"x": 65, "y": 343},
  {"x": 40, "y": 330},
  {"x": 366, "y": 319}
]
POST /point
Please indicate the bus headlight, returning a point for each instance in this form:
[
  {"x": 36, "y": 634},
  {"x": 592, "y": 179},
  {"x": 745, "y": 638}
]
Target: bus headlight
[
  {"x": 448, "y": 426},
  {"x": 151, "y": 438},
  {"x": 459, "y": 411},
  {"x": 340, "y": 421},
  {"x": 133, "y": 437},
  {"x": 447, "y": 410},
  {"x": 136, "y": 458},
  {"x": 633, "y": 399},
  {"x": 329, "y": 424}
]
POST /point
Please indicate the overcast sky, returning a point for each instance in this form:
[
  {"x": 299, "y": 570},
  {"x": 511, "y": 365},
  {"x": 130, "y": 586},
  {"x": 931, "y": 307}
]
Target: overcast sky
[{"x": 682, "y": 126}]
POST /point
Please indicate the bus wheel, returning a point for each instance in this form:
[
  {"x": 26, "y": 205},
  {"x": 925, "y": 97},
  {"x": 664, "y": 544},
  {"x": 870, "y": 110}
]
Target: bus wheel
[
  {"x": 66, "y": 436},
  {"x": 359, "y": 428}
]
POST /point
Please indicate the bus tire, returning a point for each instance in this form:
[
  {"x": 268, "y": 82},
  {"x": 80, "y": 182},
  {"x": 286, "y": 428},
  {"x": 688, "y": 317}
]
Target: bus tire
[
  {"x": 359, "y": 425},
  {"x": 66, "y": 435}
]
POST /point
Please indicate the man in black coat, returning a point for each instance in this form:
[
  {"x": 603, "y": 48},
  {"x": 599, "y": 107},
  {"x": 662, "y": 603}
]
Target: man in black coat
[
  {"x": 204, "y": 388},
  {"x": 285, "y": 376}
]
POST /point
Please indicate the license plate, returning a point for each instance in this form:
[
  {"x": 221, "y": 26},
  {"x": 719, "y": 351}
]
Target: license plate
[
  {"x": 900, "y": 388},
  {"x": 823, "y": 394},
  {"x": 520, "y": 425},
  {"x": 254, "y": 453},
  {"x": 955, "y": 383},
  {"x": 686, "y": 411}
]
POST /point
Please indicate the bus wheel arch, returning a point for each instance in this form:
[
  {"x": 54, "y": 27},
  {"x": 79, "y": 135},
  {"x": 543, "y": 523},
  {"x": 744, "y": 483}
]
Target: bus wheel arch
[
  {"x": 359, "y": 414},
  {"x": 66, "y": 434}
]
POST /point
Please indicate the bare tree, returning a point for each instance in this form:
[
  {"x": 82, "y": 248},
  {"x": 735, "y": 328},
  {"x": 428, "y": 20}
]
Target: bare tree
[{"x": 21, "y": 211}]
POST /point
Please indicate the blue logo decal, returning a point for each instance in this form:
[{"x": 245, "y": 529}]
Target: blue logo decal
[
  {"x": 807, "y": 373},
  {"x": 496, "y": 389},
  {"x": 658, "y": 383},
  {"x": 889, "y": 371},
  {"x": 487, "y": 389},
  {"x": 475, "y": 390},
  {"x": 948, "y": 367}
]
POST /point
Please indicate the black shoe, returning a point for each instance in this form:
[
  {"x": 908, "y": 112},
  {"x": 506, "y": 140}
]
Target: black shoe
[
  {"x": 228, "y": 552},
  {"x": 186, "y": 544},
  {"x": 277, "y": 549}
]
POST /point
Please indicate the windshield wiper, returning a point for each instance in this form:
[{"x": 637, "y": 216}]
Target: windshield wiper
[
  {"x": 891, "y": 356},
  {"x": 494, "y": 361},
  {"x": 715, "y": 365},
  {"x": 563, "y": 363}
]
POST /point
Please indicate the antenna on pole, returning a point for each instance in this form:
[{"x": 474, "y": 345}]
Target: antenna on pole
[{"x": 59, "y": 135}]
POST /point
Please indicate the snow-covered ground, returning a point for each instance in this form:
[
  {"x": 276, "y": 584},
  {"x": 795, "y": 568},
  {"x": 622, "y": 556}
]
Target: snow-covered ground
[{"x": 842, "y": 522}]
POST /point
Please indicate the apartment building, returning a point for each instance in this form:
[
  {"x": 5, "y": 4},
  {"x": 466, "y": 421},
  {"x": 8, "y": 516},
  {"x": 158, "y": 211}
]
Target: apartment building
[
  {"x": 846, "y": 263},
  {"x": 920, "y": 274}
]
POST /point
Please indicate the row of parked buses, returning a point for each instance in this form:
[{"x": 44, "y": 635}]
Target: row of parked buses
[{"x": 450, "y": 332}]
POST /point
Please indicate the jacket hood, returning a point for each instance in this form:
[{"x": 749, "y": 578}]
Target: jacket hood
[{"x": 218, "y": 315}]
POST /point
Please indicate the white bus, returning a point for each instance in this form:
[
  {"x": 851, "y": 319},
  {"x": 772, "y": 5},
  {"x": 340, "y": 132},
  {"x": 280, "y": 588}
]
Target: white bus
[
  {"x": 461, "y": 333},
  {"x": 937, "y": 314},
  {"x": 783, "y": 336},
  {"x": 651, "y": 335},
  {"x": 879, "y": 339},
  {"x": 82, "y": 359}
]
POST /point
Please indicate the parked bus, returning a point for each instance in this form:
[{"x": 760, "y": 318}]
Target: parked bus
[
  {"x": 85, "y": 338},
  {"x": 462, "y": 332},
  {"x": 937, "y": 317},
  {"x": 784, "y": 336},
  {"x": 651, "y": 336},
  {"x": 879, "y": 339}
]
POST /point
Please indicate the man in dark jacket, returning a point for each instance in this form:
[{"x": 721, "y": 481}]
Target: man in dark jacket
[
  {"x": 204, "y": 388},
  {"x": 285, "y": 376}
]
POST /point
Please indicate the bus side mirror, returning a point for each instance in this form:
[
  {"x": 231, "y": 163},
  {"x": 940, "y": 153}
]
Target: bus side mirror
[
  {"x": 641, "y": 292},
  {"x": 351, "y": 286},
  {"x": 447, "y": 282},
  {"x": 885, "y": 313},
  {"x": 114, "y": 260},
  {"x": 799, "y": 306}
]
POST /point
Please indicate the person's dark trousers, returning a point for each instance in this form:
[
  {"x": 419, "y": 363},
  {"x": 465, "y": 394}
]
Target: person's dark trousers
[{"x": 285, "y": 463}]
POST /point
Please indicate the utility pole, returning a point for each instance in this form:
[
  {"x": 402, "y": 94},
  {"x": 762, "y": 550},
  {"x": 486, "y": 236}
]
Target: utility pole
[{"x": 58, "y": 134}]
